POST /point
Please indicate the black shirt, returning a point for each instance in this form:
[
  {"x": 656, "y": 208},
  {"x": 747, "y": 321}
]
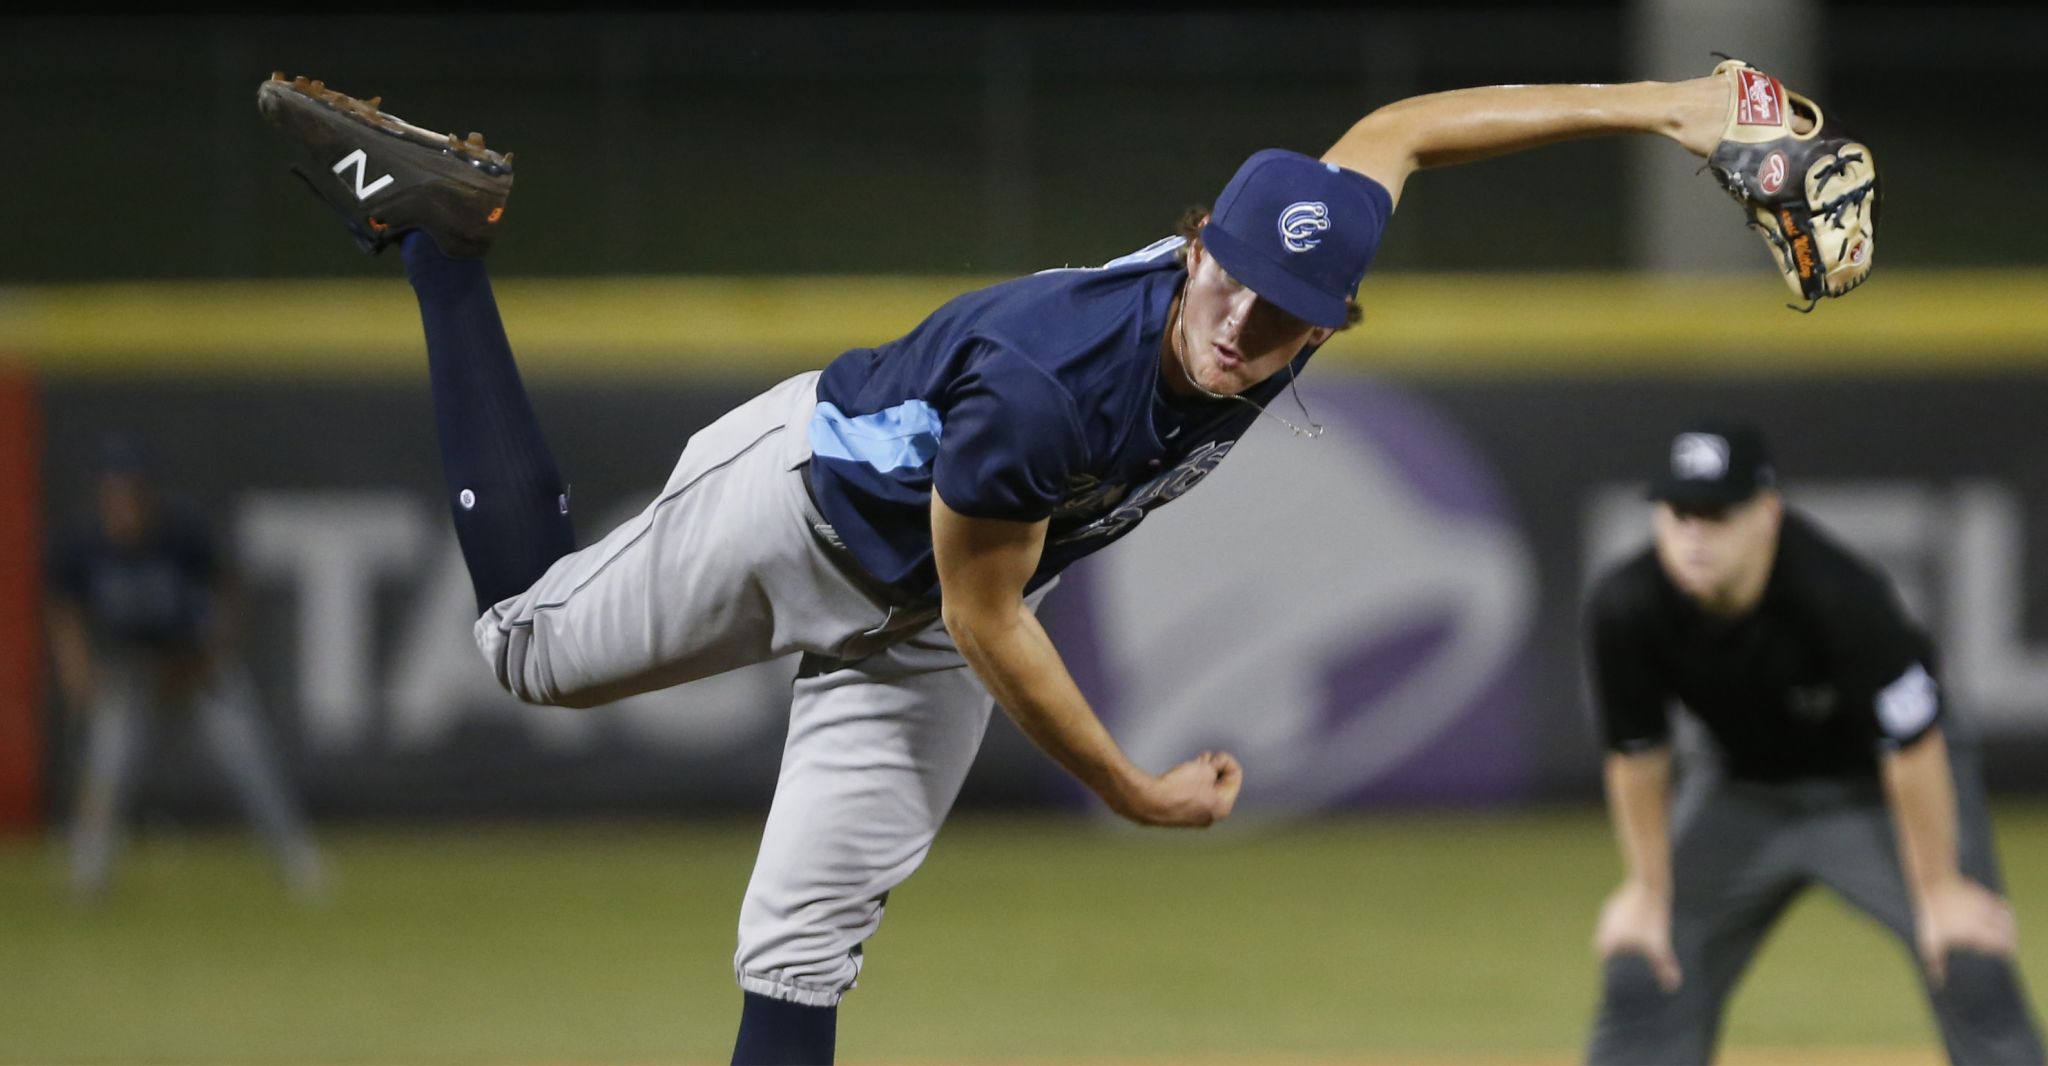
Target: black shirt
[
  {"x": 156, "y": 595},
  {"x": 1824, "y": 674}
]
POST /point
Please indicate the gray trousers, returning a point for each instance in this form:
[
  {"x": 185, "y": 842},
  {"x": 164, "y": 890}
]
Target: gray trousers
[
  {"x": 129, "y": 715},
  {"x": 1741, "y": 853},
  {"x": 728, "y": 567}
]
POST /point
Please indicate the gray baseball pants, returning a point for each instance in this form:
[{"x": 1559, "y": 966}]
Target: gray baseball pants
[
  {"x": 727, "y": 567},
  {"x": 127, "y": 716},
  {"x": 1741, "y": 853}
]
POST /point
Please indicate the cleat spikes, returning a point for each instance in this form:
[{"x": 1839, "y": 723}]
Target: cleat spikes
[
  {"x": 277, "y": 75},
  {"x": 449, "y": 186}
]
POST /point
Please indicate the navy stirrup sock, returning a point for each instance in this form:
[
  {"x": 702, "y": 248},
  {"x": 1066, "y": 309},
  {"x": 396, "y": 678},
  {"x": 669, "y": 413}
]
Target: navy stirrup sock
[
  {"x": 510, "y": 506},
  {"x": 774, "y": 1032}
]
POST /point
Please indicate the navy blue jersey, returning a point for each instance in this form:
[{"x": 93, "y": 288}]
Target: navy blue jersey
[
  {"x": 1038, "y": 398},
  {"x": 156, "y": 595}
]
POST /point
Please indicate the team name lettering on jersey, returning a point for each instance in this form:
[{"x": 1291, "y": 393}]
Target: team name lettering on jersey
[
  {"x": 1168, "y": 486},
  {"x": 1088, "y": 497}
]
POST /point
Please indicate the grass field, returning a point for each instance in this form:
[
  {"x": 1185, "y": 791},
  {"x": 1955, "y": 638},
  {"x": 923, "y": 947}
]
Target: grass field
[{"x": 1403, "y": 938}]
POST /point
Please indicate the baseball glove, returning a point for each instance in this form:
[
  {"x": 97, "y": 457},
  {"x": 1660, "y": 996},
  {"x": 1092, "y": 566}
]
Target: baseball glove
[{"x": 1813, "y": 196}]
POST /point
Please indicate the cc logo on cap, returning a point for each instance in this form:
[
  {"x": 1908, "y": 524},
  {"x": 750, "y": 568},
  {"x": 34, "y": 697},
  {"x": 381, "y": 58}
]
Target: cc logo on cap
[{"x": 1300, "y": 223}]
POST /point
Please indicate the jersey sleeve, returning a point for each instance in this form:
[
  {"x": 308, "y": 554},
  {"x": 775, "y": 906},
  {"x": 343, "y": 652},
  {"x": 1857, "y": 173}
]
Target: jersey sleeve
[
  {"x": 1629, "y": 698},
  {"x": 1011, "y": 437}
]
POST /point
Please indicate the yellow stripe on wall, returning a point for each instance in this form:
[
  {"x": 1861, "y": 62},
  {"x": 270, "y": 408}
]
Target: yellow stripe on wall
[{"x": 1416, "y": 325}]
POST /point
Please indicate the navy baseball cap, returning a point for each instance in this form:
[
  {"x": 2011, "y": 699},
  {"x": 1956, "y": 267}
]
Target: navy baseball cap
[
  {"x": 1714, "y": 463},
  {"x": 1298, "y": 231}
]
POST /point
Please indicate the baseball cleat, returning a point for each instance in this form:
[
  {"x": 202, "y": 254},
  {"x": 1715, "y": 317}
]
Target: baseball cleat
[{"x": 386, "y": 177}]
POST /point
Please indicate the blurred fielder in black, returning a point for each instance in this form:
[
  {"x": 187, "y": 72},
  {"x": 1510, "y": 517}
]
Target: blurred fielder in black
[
  {"x": 140, "y": 621},
  {"x": 1828, "y": 760}
]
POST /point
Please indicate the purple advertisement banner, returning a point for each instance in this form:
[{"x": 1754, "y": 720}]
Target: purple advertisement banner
[
  {"x": 1346, "y": 613},
  {"x": 1385, "y": 614}
]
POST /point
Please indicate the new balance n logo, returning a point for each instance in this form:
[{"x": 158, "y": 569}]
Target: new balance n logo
[{"x": 361, "y": 162}]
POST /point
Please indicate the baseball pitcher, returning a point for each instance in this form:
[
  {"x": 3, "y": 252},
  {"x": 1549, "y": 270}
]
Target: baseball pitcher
[{"x": 897, "y": 516}]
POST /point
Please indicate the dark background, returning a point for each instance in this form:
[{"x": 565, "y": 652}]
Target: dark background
[{"x": 929, "y": 141}]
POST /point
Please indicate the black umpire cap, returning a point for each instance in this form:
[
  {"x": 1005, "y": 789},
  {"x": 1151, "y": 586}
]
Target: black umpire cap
[{"x": 1714, "y": 463}]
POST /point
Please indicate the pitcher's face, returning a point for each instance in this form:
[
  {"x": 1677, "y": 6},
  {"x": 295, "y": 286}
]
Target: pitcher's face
[{"x": 1232, "y": 338}]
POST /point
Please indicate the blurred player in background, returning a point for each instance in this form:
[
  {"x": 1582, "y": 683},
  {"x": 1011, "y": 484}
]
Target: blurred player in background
[
  {"x": 1829, "y": 757},
  {"x": 140, "y": 620},
  {"x": 897, "y": 517}
]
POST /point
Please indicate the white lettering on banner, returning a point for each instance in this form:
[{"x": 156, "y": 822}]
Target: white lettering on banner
[
  {"x": 1990, "y": 664},
  {"x": 712, "y": 714},
  {"x": 403, "y": 675},
  {"x": 1957, "y": 558},
  {"x": 335, "y": 549},
  {"x": 439, "y": 680}
]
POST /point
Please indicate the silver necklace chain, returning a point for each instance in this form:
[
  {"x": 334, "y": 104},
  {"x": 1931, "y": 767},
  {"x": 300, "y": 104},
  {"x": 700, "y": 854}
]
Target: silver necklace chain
[{"x": 1180, "y": 353}]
